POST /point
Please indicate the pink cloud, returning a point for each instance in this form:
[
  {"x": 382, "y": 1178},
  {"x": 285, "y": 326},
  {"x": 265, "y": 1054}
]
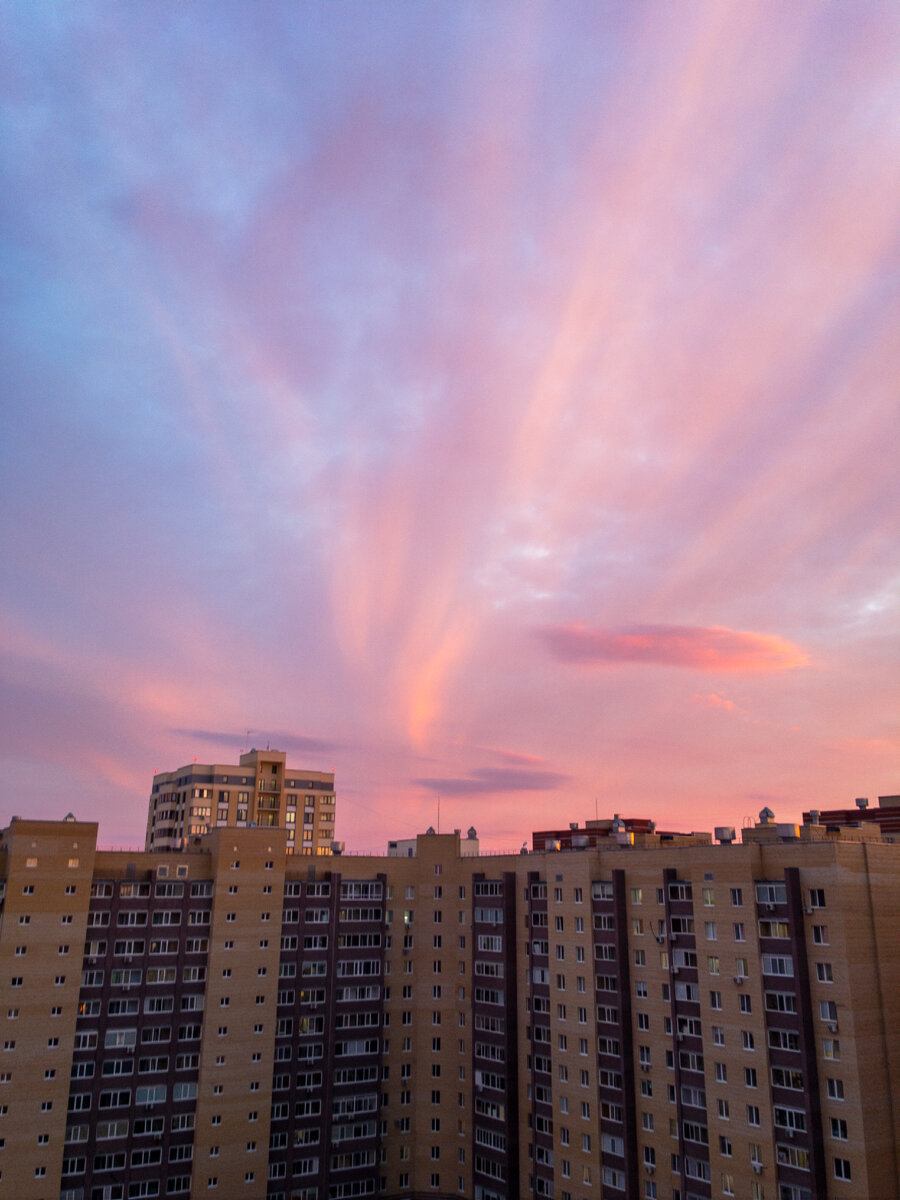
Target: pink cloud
[
  {"x": 713, "y": 700},
  {"x": 710, "y": 648},
  {"x": 492, "y": 780},
  {"x": 513, "y": 756}
]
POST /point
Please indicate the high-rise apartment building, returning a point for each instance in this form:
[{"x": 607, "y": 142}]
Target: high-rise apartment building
[
  {"x": 662, "y": 1019},
  {"x": 261, "y": 790}
]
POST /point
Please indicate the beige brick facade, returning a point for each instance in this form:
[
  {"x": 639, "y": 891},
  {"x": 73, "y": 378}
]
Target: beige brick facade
[{"x": 622, "y": 1020}]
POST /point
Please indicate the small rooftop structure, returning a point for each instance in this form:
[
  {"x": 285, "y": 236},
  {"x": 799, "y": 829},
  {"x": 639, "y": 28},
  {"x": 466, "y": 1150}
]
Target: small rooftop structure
[
  {"x": 612, "y": 831},
  {"x": 886, "y": 816},
  {"x": 408, "y": 847}
]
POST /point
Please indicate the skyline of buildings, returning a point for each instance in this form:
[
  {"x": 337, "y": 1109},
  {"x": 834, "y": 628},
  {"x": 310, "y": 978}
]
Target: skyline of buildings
[{"x": 639, "y": 1014}]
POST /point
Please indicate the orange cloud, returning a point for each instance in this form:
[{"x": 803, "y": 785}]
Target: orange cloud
[
  {"x": 713, "y": 700},
  {"x": 709, "y": 648}
]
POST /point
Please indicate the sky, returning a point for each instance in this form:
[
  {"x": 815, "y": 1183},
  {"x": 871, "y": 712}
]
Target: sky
[{"x": 498, "y": 404}]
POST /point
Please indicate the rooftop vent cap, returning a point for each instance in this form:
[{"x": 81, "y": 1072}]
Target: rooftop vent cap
[{"x": 862, "y": 802}]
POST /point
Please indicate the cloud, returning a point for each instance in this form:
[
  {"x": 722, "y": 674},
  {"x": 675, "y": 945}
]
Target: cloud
[
  {"x": 513, "y": 756},
  {"x": 700, "y": 648},
  {"x": 713, "y": 700},
  {"x": 488, "y": 780},
  {"x": 281, "y": 741}
]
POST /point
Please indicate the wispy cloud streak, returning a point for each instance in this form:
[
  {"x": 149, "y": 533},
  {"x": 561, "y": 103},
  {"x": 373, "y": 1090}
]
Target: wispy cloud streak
[{"x": 712, "y": 649}]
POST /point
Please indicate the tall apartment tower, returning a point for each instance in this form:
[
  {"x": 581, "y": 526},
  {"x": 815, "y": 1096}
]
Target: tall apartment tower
[
  {"x": 260, "y": 791},
  {"x": 648, "y": 1016}
]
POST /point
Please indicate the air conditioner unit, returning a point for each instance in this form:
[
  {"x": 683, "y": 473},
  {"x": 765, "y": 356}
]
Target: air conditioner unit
[
  {"x": 680, "y": 1036},
  {"x": 645, "y": 1066},
  {"x": 675, "y": 970},
  {"x": 833, "y": 1027},
  {"x": 770, "y": 908},
  {"x": 649, "y": 1168},
  {"x": 757, "y": 1167},
  {"x": 808, "y": 911},
  {"x": 738, "y": 979}
]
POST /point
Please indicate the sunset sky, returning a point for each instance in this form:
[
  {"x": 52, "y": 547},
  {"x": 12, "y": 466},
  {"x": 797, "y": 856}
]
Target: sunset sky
[{"x": 496, "y": 403}]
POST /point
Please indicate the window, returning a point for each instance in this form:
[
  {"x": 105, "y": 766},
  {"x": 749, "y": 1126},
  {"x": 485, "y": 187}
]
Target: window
[
  {"x": 842, "y": 1168},
  {"x": 752, "y": 1114},
  {"x": 715, "y": 1000},
  {"x": 745, "y": 1002},
  {"x": 817, "y": 900},
  {"x": 777, "y": 964},
  {"x": 784, "y": 1039},
  {"x": 836, "y": 1089},
  {"x": 839, "y": 1129},
  {"x": 824, "y": 973}
]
